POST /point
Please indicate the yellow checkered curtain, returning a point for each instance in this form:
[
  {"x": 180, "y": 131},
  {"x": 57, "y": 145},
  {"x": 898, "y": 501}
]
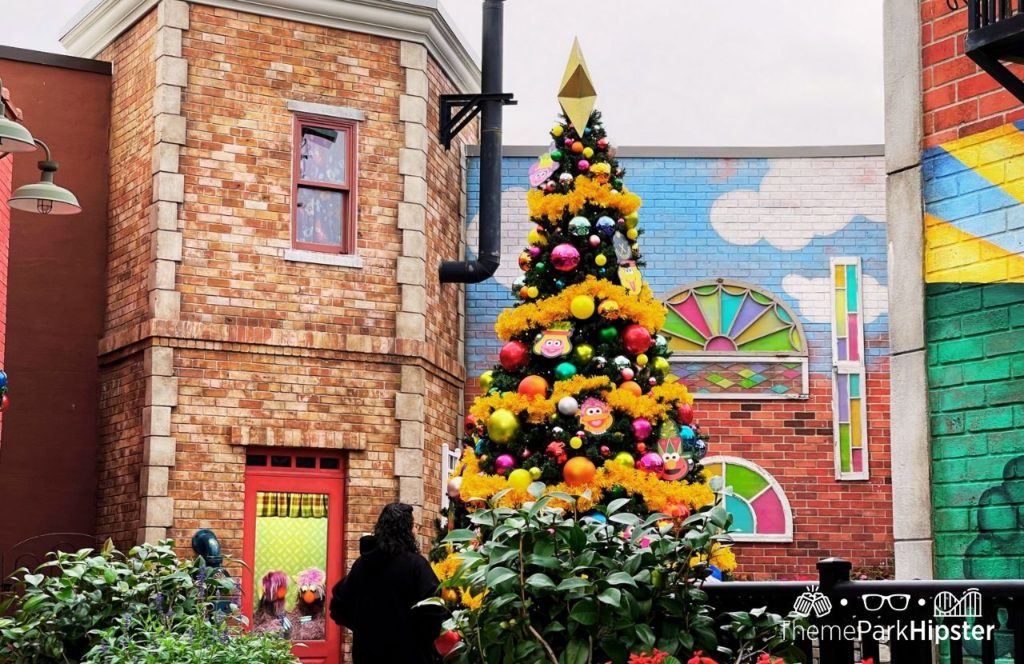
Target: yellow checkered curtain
[{"x": 294, "y": 505}]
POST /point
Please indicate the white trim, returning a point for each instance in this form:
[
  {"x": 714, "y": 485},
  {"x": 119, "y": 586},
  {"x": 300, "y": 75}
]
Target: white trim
[
  {"x": 326, "y": 110},
  {"x": 419, "y": 21},
  {"x": 323, "y": 258},
  {"x": 849, "y": 368},
  {"x": 710, "y": 151},
  {"x": 787, "y": 510},
  {"x": 709, "y": 358}
]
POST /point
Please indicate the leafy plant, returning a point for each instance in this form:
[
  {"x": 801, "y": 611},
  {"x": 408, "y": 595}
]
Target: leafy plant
[
  {"x": 566, "y": 589},
  {"x": 76, "y": 601},
  {"x": 760, "y": 637}
]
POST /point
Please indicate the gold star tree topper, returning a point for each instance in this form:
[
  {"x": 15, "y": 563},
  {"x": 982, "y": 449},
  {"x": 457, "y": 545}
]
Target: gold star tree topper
[{"x": 576, "y": 94}]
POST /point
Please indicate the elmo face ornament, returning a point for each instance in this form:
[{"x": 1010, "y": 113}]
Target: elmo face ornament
[
  {"x": 670, "y": 447},
  {"x": 595, "y": 416},
  {"x": 553, "y": 343}
]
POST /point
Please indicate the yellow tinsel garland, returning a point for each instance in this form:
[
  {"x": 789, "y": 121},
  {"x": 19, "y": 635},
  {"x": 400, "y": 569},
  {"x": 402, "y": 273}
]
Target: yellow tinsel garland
[
  {"x": 657, "y": 494},
  {"x": 642, "y": 309},
  {"x": 554, "y": 206}
]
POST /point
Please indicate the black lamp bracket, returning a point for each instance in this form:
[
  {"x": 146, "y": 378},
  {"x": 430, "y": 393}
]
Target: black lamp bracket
[{"x": 465, "y": 107}]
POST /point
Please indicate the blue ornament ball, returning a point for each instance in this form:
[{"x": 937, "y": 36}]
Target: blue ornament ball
[
  {"x": 605, "y": 226},
  {"x": 596, "y": 516},
  {"x": 700, "y": 449},
  {"x": 3, "y": 379},
  {"x": 586, "y": 131},
  {"x": 688, "y": 435},
  {"x": 559, "y": 284},
  {"x": 715, "y": 572}
]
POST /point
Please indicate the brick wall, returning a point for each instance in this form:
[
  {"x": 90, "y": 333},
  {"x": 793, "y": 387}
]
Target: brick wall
[
  {"x": 960, "y": 99},
  {"x": 976, "y": 400},
  {"x": 241, "y": 345},
  {"x": 120, "y": 455},
  {"x": 774, "y": 223}
]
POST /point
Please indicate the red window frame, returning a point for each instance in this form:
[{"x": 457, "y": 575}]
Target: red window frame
[
  {"x": 299, "y": 480},
  {"x": 347, "y": 189}
]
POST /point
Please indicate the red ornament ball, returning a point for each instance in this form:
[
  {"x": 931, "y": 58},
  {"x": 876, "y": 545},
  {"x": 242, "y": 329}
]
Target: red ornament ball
[
  {"x": 636, "y": 339},
  {"x": 605, "y": 450},
  {"x": 641, "y": 447},
  {"x": 470, "y": 422},
  {"x": 4, "y": 403},
  {"x": 579, "y": 470},
  {"x": 685, "y": 413},
  {"x": 602, "y": 143},
  {"x": 445, "y": 643},
  {"x": 514, "y": 355}
]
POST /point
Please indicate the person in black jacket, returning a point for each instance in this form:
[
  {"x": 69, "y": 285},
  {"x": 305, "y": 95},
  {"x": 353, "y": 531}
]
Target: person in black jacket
[{"x": 375, "y": 600}]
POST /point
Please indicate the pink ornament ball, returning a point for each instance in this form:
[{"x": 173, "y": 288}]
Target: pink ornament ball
[
  {"x": 652, "y": 381},
  {"x": 504, "y": 463},
  {"x": 526, "y": 454},
  {"x": 685, "y": 413},
  {"x": 602, "y": 143},
  {"x": 565, "y": 257},
  {"x": 650, "y": 462},
  {"x": 642, "y": 428},
  {"x": 605, "y": 450},
  {"x": 568, "y": 142},
  {"x": 534, "y": 251},
  {"x": 583, "y": 165},
  {"x": 627, "y": 374},
  {"x": 453, "y": 488}
]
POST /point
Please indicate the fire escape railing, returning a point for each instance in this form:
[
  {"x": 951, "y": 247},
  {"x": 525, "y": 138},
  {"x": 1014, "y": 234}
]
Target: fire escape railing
[{"x": 995, "y": 36}]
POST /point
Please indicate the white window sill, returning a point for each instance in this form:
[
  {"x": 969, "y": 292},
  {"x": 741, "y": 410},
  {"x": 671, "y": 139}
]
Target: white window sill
[{"x": 320, "y": 258}]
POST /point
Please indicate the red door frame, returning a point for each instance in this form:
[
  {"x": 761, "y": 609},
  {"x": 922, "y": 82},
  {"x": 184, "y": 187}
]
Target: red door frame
[{"x": 299, "y": 480}]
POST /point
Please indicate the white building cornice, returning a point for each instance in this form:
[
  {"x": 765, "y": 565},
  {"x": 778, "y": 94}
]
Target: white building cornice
[{"x": 420, "y": 21}]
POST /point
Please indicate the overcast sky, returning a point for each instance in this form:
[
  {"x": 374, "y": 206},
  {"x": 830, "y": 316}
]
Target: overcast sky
[{"x": 667, "y": 72}]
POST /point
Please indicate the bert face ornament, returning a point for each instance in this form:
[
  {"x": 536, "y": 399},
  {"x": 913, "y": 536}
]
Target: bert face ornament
[
  {"x": 630, "y": 277},
  {"x": 553, "y": 343},
  {"x": 595, "y": 416},
  {"x": 670, "y": 447}
]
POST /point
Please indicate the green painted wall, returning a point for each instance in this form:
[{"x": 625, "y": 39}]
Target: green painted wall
[{"x": 975, "y": 338}]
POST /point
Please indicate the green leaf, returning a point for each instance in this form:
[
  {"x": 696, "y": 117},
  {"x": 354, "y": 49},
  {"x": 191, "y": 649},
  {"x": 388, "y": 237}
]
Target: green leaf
[
  {"x": 536, "y": 489},
  {"x": 611, "y": 597},
  {"x": 616, "y": 505},
  {"x": 563, "y": 496},
  {"x": 646, "y": 635},
  {"x": 464, "y": 535},
  {"x": 620, "y": 579},
  {"x": 540, "y": 581},
  {"x": 625, "y": 518},
  {"x": 34, "y": 579},
  {"x": 498, "y": 575},
  {"x": 572, "y": 583},
  {"x": 545, "y": 562},
  {"x": 584, "y": 612},
  {"x": 577, "y": 652}
]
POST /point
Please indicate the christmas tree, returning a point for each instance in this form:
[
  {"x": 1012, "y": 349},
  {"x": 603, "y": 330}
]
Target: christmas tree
[{"x": 583, "y": 401}]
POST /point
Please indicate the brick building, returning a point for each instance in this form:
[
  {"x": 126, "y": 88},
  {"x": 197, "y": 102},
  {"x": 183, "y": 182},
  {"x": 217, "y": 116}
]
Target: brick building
[
  {"x": 954, "y": 147},
  {"x": 276, "y": 344},
  {"x": 799, "y": 423}
]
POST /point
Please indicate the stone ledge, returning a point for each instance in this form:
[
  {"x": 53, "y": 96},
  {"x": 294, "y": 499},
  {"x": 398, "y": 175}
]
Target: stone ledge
[
  {"x": 337, "y": 260},
  {"x": 277, "y": 437},
  {"x": 326, "y": 110}
]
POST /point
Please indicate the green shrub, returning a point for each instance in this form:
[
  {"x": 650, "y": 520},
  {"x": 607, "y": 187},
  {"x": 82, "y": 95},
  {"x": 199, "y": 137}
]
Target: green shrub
[{"x": 77, "y": 601}]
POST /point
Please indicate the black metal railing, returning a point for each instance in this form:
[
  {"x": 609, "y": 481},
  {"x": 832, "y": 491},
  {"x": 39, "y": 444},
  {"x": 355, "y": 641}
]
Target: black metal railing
[
  {"x": 904, "y": 622},
  {"x": 982, "y": 13},
  {"x": 32, "y": 552}
]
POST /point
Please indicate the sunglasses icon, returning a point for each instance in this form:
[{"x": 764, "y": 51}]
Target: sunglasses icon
[{"x": 873, "y": 602}]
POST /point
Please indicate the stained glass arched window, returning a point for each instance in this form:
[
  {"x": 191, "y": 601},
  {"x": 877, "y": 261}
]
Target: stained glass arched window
[
  {"x": 732, "y": 340},
  {"x": 760, "y": 509}
]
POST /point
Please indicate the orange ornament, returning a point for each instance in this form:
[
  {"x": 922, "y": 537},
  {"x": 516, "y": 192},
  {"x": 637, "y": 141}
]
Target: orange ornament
[
  {"x": 632, "y": 387},
  {"x": 577, "y": 147},
  {"x": 677, "y": 511},
  {"x": 533, "y": 386},
  {"x": 579, "y": 470}
]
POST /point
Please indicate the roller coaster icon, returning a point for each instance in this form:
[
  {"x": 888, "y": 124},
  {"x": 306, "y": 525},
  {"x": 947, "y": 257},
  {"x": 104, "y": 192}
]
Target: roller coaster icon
[{"x": 947, "y": 605}]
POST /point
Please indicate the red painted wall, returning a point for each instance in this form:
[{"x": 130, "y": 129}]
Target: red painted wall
[
  {"x": 960, "y": 99},
  {"x": 55, "y": 301}
]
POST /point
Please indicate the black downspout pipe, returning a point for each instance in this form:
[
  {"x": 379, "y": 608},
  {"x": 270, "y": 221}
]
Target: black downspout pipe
[{"x": 489, "y": 253}]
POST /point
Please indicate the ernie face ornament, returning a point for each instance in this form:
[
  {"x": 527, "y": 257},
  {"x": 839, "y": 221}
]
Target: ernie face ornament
[
  {"x": 553, "y": 343},
  {"x": 595, "y": 416}
]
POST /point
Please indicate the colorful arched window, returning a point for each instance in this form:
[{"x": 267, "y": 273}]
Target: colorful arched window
[
  {"x": 732, "y": 340},
  {"x": 759, "y": 507}
]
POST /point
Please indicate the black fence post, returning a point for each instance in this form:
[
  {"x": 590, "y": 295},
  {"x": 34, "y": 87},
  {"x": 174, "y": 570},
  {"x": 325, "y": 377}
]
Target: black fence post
[{"x": 833, "y": 573}]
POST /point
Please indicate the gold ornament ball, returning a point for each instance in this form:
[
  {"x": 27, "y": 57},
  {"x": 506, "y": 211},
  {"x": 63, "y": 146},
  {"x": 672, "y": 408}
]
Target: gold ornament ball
[
  {"x": 519, "y": 479},
  {"x": 557, "y": 131},
  {"x": 632, "y": 219},
  {"x": 575, "y": 442},
  {"x": 584, "y": 352},
  {"x": 532, "y": 292},
  {"x": 624, "y": 459},
  {"x": 486, "y": 379},
  {"x": 632, "y": 234},
  {"x": 582, "y": 306},
  {"x": 502, "y": 425},
  {"x": 601, "y": 260},
  {"x": 535, "y": 473},
  {"x": 588, "y": 152},
  {"x": 609, "y": 309},
  {"x": 641, "y": 360},
  {"x": 661, "y": 365},
  {"x": 535, "y": 237}
]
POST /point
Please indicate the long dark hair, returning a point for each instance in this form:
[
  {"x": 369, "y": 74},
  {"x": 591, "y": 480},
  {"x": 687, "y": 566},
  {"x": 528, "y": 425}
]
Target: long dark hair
[{"x": 394, "y": 530}]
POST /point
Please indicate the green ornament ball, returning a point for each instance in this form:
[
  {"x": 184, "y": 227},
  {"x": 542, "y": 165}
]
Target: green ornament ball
[
  {"x": 540, "y": 267},
  {"x": 608, "y": 334},
  {"x": 565, "y": 371},
  {"x": 556, "y": 155},
  {"x": 617, "y": 183}
]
